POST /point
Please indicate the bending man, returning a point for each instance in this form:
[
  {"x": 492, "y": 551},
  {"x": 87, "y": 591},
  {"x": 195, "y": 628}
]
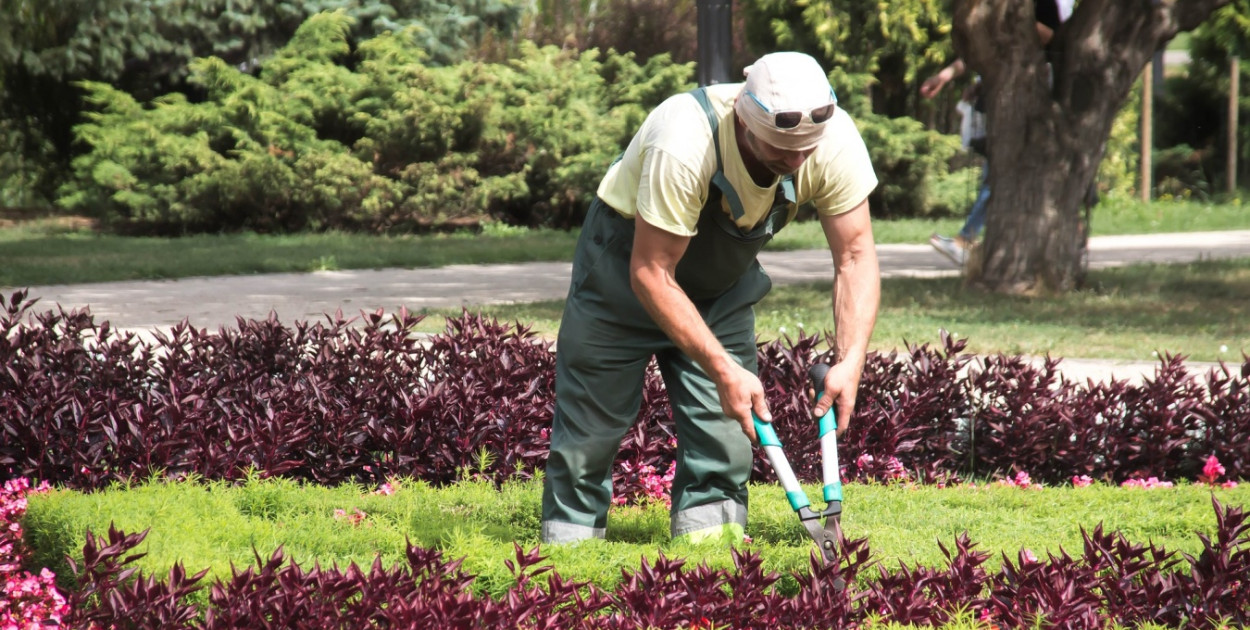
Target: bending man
[{"x": 666, "y": 267}]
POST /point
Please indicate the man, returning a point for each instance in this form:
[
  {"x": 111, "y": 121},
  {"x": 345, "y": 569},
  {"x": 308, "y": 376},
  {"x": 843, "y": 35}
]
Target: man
[{"x": 666, "y": 267}]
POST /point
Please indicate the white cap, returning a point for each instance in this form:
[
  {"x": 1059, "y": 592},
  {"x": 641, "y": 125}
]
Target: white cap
[{"x": 784, "y": 81}]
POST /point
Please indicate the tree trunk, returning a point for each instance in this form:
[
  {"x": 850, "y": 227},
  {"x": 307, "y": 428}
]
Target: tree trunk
[{"x": 1045, "y": 144}]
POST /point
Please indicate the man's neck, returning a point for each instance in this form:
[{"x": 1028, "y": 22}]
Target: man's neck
[{"x": 760, "y": 174}]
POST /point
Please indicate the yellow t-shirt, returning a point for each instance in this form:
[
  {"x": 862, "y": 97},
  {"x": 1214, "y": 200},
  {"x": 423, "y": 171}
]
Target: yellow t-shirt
[{"x": 665, "y": 173}]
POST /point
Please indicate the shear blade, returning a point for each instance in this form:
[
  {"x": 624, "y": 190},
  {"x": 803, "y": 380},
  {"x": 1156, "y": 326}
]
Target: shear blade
[{"x": 826, "y": 540}]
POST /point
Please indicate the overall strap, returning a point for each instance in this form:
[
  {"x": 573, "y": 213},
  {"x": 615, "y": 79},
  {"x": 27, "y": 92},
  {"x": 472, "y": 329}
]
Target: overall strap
[
  {"x": 786, "y": 188},
  {"x": 719, "y": 180}
]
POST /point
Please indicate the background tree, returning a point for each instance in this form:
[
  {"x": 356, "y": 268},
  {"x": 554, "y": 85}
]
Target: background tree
[{"x": 1047, "y": 142}]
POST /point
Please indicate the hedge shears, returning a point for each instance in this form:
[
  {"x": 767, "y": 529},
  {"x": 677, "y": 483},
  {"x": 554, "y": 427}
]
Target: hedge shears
[{"x": 826, "y": 536}]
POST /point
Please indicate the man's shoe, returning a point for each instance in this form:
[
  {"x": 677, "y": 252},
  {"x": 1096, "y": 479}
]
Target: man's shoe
[{"x": 950, "y": 248}]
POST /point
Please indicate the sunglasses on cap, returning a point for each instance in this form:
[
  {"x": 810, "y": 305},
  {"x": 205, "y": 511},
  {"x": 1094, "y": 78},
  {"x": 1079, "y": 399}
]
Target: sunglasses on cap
[{"x": 791, "y": 119}]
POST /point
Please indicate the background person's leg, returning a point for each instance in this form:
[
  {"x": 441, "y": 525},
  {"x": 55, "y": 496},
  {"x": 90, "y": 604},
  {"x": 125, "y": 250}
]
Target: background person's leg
[{"x": 976, "y": 216}]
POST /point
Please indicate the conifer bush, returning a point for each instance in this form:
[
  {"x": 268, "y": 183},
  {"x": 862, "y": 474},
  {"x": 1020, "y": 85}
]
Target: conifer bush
[{"x": 370, "y": 137}]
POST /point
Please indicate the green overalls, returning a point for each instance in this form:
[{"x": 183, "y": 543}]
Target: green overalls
[{"x": 605, "y": 342}]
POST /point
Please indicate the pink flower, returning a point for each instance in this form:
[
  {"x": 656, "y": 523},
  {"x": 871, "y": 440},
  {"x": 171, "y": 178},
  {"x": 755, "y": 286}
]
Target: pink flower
[
  {"x": 386, "y": 489},
  {"x": 26, "y": 601},
  {"x": 355, "y": 518},
  {"x": 1021, "y": 480},
  {"x": 1213, "y": 469},
  {"x": 894, "y": 469},
  {"x": 1082, "y": 481},
  {"x": 1148, "y": 484}
]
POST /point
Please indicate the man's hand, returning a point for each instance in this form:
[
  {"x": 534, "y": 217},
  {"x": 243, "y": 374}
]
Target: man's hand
[
  {"x": 840, "y": 389},
  {"x": 742, "y": 393}
]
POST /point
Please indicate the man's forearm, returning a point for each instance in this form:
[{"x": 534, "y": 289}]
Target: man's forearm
[
  {"x": 677, "y": 316},
  {"x": 856, "y": 283},
  {"x": 856, "y": 297}
]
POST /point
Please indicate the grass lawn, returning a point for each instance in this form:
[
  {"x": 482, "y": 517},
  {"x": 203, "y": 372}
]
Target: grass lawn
[
  {"x": 1199, "y": 310},
  {"x": 213, "y": 525}
]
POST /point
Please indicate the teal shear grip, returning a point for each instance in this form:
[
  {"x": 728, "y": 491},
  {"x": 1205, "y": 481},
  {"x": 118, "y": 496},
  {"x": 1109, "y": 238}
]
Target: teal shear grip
[{"x": 832, "y": 476}]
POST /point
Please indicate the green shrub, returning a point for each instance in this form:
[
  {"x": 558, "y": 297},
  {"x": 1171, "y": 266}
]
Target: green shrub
[
  {"x": 328, "y": 138},
  {"x": 909, "y": 159},
  {"x": 1119, "y": 173},
  {"x": 373, "y": 139}
]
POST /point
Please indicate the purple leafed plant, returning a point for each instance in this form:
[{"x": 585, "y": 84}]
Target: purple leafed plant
[{"x": 365, "y": 399}]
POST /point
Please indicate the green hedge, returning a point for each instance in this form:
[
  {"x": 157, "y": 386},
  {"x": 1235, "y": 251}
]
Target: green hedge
[
  {"x": 366, "y": 139},
  {"x": 370, "y": 138}
]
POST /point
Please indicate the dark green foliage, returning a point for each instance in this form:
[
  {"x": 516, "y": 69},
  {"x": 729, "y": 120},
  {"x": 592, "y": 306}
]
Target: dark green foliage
[
  {"x": 366, "y": 139},
  {"x": 142, "y": 44},
  {"x": 908, "y": 158},
  {"x": 876, "y": 57},
  {"x": 870, "y": 49},
  {"x": 1191, "y": 119},
  {"x": 145, "y": 48}
]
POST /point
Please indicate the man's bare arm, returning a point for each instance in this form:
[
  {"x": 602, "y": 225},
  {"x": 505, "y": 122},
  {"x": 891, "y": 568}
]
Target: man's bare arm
[
  {"x": 856, "y": 297},
  {"x": 652, "y": 273}
]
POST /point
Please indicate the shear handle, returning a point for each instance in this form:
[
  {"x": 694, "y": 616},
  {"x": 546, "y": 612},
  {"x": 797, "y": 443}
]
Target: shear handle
[
  {"x": 828, "y": 439},
  {"x": 777, "y": 457}
]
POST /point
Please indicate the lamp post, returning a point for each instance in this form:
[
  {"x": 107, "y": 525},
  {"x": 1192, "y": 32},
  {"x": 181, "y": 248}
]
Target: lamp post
[{"x": 715, "y": 53}]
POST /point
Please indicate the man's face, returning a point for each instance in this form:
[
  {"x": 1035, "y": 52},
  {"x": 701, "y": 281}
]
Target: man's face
[{"x": 779, "y": 161}]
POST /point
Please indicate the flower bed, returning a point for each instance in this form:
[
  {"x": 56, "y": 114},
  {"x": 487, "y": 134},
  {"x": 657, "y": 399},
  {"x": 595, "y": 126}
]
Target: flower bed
[
  {"x": 82, "y": 406},
  {"x": 344, "y": 400},
  {"x": 27, "y": 601},
  {"x": 1110, "y": 581}
]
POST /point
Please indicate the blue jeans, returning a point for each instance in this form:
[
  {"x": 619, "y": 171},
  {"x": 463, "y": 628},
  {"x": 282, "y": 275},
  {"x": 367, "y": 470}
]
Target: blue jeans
[{"x": 976, "y": 216}]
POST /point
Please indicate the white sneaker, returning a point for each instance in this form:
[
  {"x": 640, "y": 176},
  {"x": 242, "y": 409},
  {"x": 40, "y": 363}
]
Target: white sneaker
[{"x": 949, "y": 248}]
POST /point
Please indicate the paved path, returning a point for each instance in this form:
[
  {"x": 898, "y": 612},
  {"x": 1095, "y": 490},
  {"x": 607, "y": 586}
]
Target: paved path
[{"x": 214, "y": 302}]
